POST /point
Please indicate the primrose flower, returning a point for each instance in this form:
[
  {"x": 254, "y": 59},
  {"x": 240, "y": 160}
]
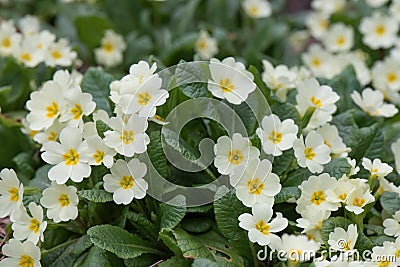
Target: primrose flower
[
  {"x": 20, "y": 254},
  {"x": 392, "y": 225},
  {"x": 372, "y": 103},
  {"x": 357, "y": 200},
  {"x": 376, "y": 168},
  {"x": 206, "y": 46},
  {"x": 11, "y": 193},
  {"x": 9, "y": 38},
  {"x": 342, "y": 240},
  {"x": 257, "y": 8},
  {"x": 60, "y": 54},
  {"x": 296, "y": 248},
  {"x": 110, "y": 54},
  {"x": 333, "y": 140},
  {"x": 379, "y": 30},
  {"x": 338, "y": 38},
  {"x": 97, "y": 151}
]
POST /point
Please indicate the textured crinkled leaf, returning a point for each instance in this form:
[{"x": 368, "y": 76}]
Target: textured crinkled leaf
[
  {"x": 97, "y": 83},
  {"x": 337, "y": 167},
  {"x": 296, "y": 177},
  {"x": 96, "y": 195},
  {"x": 144, "y": 260},
  {"x": 190, "y": 246},
  {"x": 283, "y": 162},
  {"x": 119, "y": 241},
  {"x": 171, "y": 215},
  {"x": 191, "y": 79},
  {"x": 287, "y": 193},
  {"x": 142, "y": 224},
  {"x": 174, "y": 262},
  {"x": 198, "y": 224},
  {"x": 156, "y": 154},
  {"x": 101, "y": 128},
  {"x": 96, "y": 257},
  {"x": 390, "y": 201}
]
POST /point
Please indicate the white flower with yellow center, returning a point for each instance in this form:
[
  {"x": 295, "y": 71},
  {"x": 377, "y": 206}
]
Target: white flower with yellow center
[
  {"x": 357, "y": 200},
  {"x": 60, "y": 54},
  {"x": 333, "y": 140},
  {"x": 354, "y": 168},
  {"x": 68, "y": 157},
  {"x": 392, "y": 225},
  {"x": 231, "y": 153},
  {"x": 376, "y": 3},
  {"x": 61, "y": 202},
  {"x": 342, "y": 240},
  {"x": 340, "y": 192},
  {"x": 110, "y": 53},
  {"x": 276, "y": 136},
  {"x": 296, "y": 248},
  {"x": 373, "y": 104},
  {"x": 20, "y": 254},
  {"x": 311, "y": 219},
  {"x": 97, "y": 152},
  {"x": 255, "y": 183},
  {"x": 9, "y": 38},
  {"x": 379, "y": 30},
  {"x": 328, "y": 6},
  {"x": 313, "y": 153},
  {"x": 206, "y": 46},
  {"x": 30, "y": 227},
  {"x": 395, "y": 9},
  {"x": 314, "y": 193},
  {"x": 50, "y": 134},
  {"x": 386, "y": 74},
  {"x": 318, "y": 24},
  {"x": 279, "y": 78},
  {"x": 338, "y": 38},
  {"x": 28, "y": 53},
  {"x": 230, "y": 80},
  {"x": 383, "y": 256},
  {"x": 376, "y": 168},
  {"x": 29, "y": 25},
  {"x": 43, "y": 40},
  {"x": 45, "y": 106},
  {"x": 11, "y": 193},
  {"x": 261, "y": 229},
  {"x": 128, "y": 138},
  {"x": 320, "y": 62},
  {"x": 126, "y": 181},
  {"x": 257, "y": 8},
  {"x": 147, "y": 97},
  {"x": 67, "y": 80},
  {"x": 78, "y": 104}
]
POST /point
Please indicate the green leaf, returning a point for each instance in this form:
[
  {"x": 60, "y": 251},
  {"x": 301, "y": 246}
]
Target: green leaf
[
  {"x": 101, "y": 128},
  {"x": 390, "y": 201},
  {"x": 169, "y": 240},
  {"x": 191, "y": 79},
  {"x": 174, "y": 262},
  {"x": 144, "y": 260},
  {"x": 337, "y": 167},
  {"x": 378, "y": 240},
  {"x": 171, "y": 215},
  {"x": 296, "y": 177},
  {"x": 286, "y": 111},
  {"x": 261, "y": 85},
  {"x": 91, "y": 29},
  {"x": 143, "y": 225},
  {"x": 190, "y": 246},
  {"x": 204, "y": 263},
  {"x": 4, "y": 91},
  {"x": 198, "y": 224},
  {"x": 156, "y": 154},
  {"x": 97, "y": 83},
  {"x": 41, "y": 179},
  {"x": 227, "y": 209},
  {"x": 96, "y": 257},
  {"x": 287, "y": 193},
  {"x": 119, "y": 241},
  {"x": 96, "y": 195},
  {"x": 283, "y": 162}
]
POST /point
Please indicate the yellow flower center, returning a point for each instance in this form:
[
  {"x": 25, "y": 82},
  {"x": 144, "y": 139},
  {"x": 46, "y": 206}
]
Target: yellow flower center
[
  {"x": 359, "y": 202},
  {"x": 56, "y": 54},
  {"x": 64, "y": 200},
  {"x": 235, "y": 157},
  {"x": 201, "y": 45},
  {"x": 342, "y": 196},
  {"x": 226, "y": 85},
  {"x": 32, "y": 133},
  {"x": 99, "y": 156},
  {"x": 255, "y": 186},
  {"x": 380, "y": 30},
  {"x": 77, "y": 111},
  {"x": 34, "y": 226},
  {"x": 52, "y": 136},
  {"x": 26, "y": 57},
  {"x": 126, "y": 182},
  {"x": 52, "y": 110},
  {"x": 316, "y": 62},
  {"x": 26, "y": 261},
  {"x": 108, "y": 47},
  {"x": 144, "y": 98},
  {"x": 275, "y": 137},
  {"x": 384, "y": 263},
  {"x": 397, "y": 254},
  {"x": 346, "y": 245},
  {"x": 14, "y": 197},
  {"x": 391, "y": 77},
  {"x": 340, "y": 41},
  {"x": 323, "y": 23},
  {"x": 326, "y": 143},
  {"x": 254, "y": 11},
  {"x": 316, "y": 101},
  {"x": 309, "y": 153},
  {"x": 318, "y": 197},
  {"x": 71, "y": 157},
  {"x": 6, "y": 42},
  {"x": 127, "y": 137},
  {"x": 263, "y": 227}
]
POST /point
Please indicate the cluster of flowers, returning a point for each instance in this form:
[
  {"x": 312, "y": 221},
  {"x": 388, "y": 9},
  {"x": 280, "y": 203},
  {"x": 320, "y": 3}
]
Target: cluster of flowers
[
  {"x": 31, "y": 46},
  {"x": 334, "y": 50}
]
